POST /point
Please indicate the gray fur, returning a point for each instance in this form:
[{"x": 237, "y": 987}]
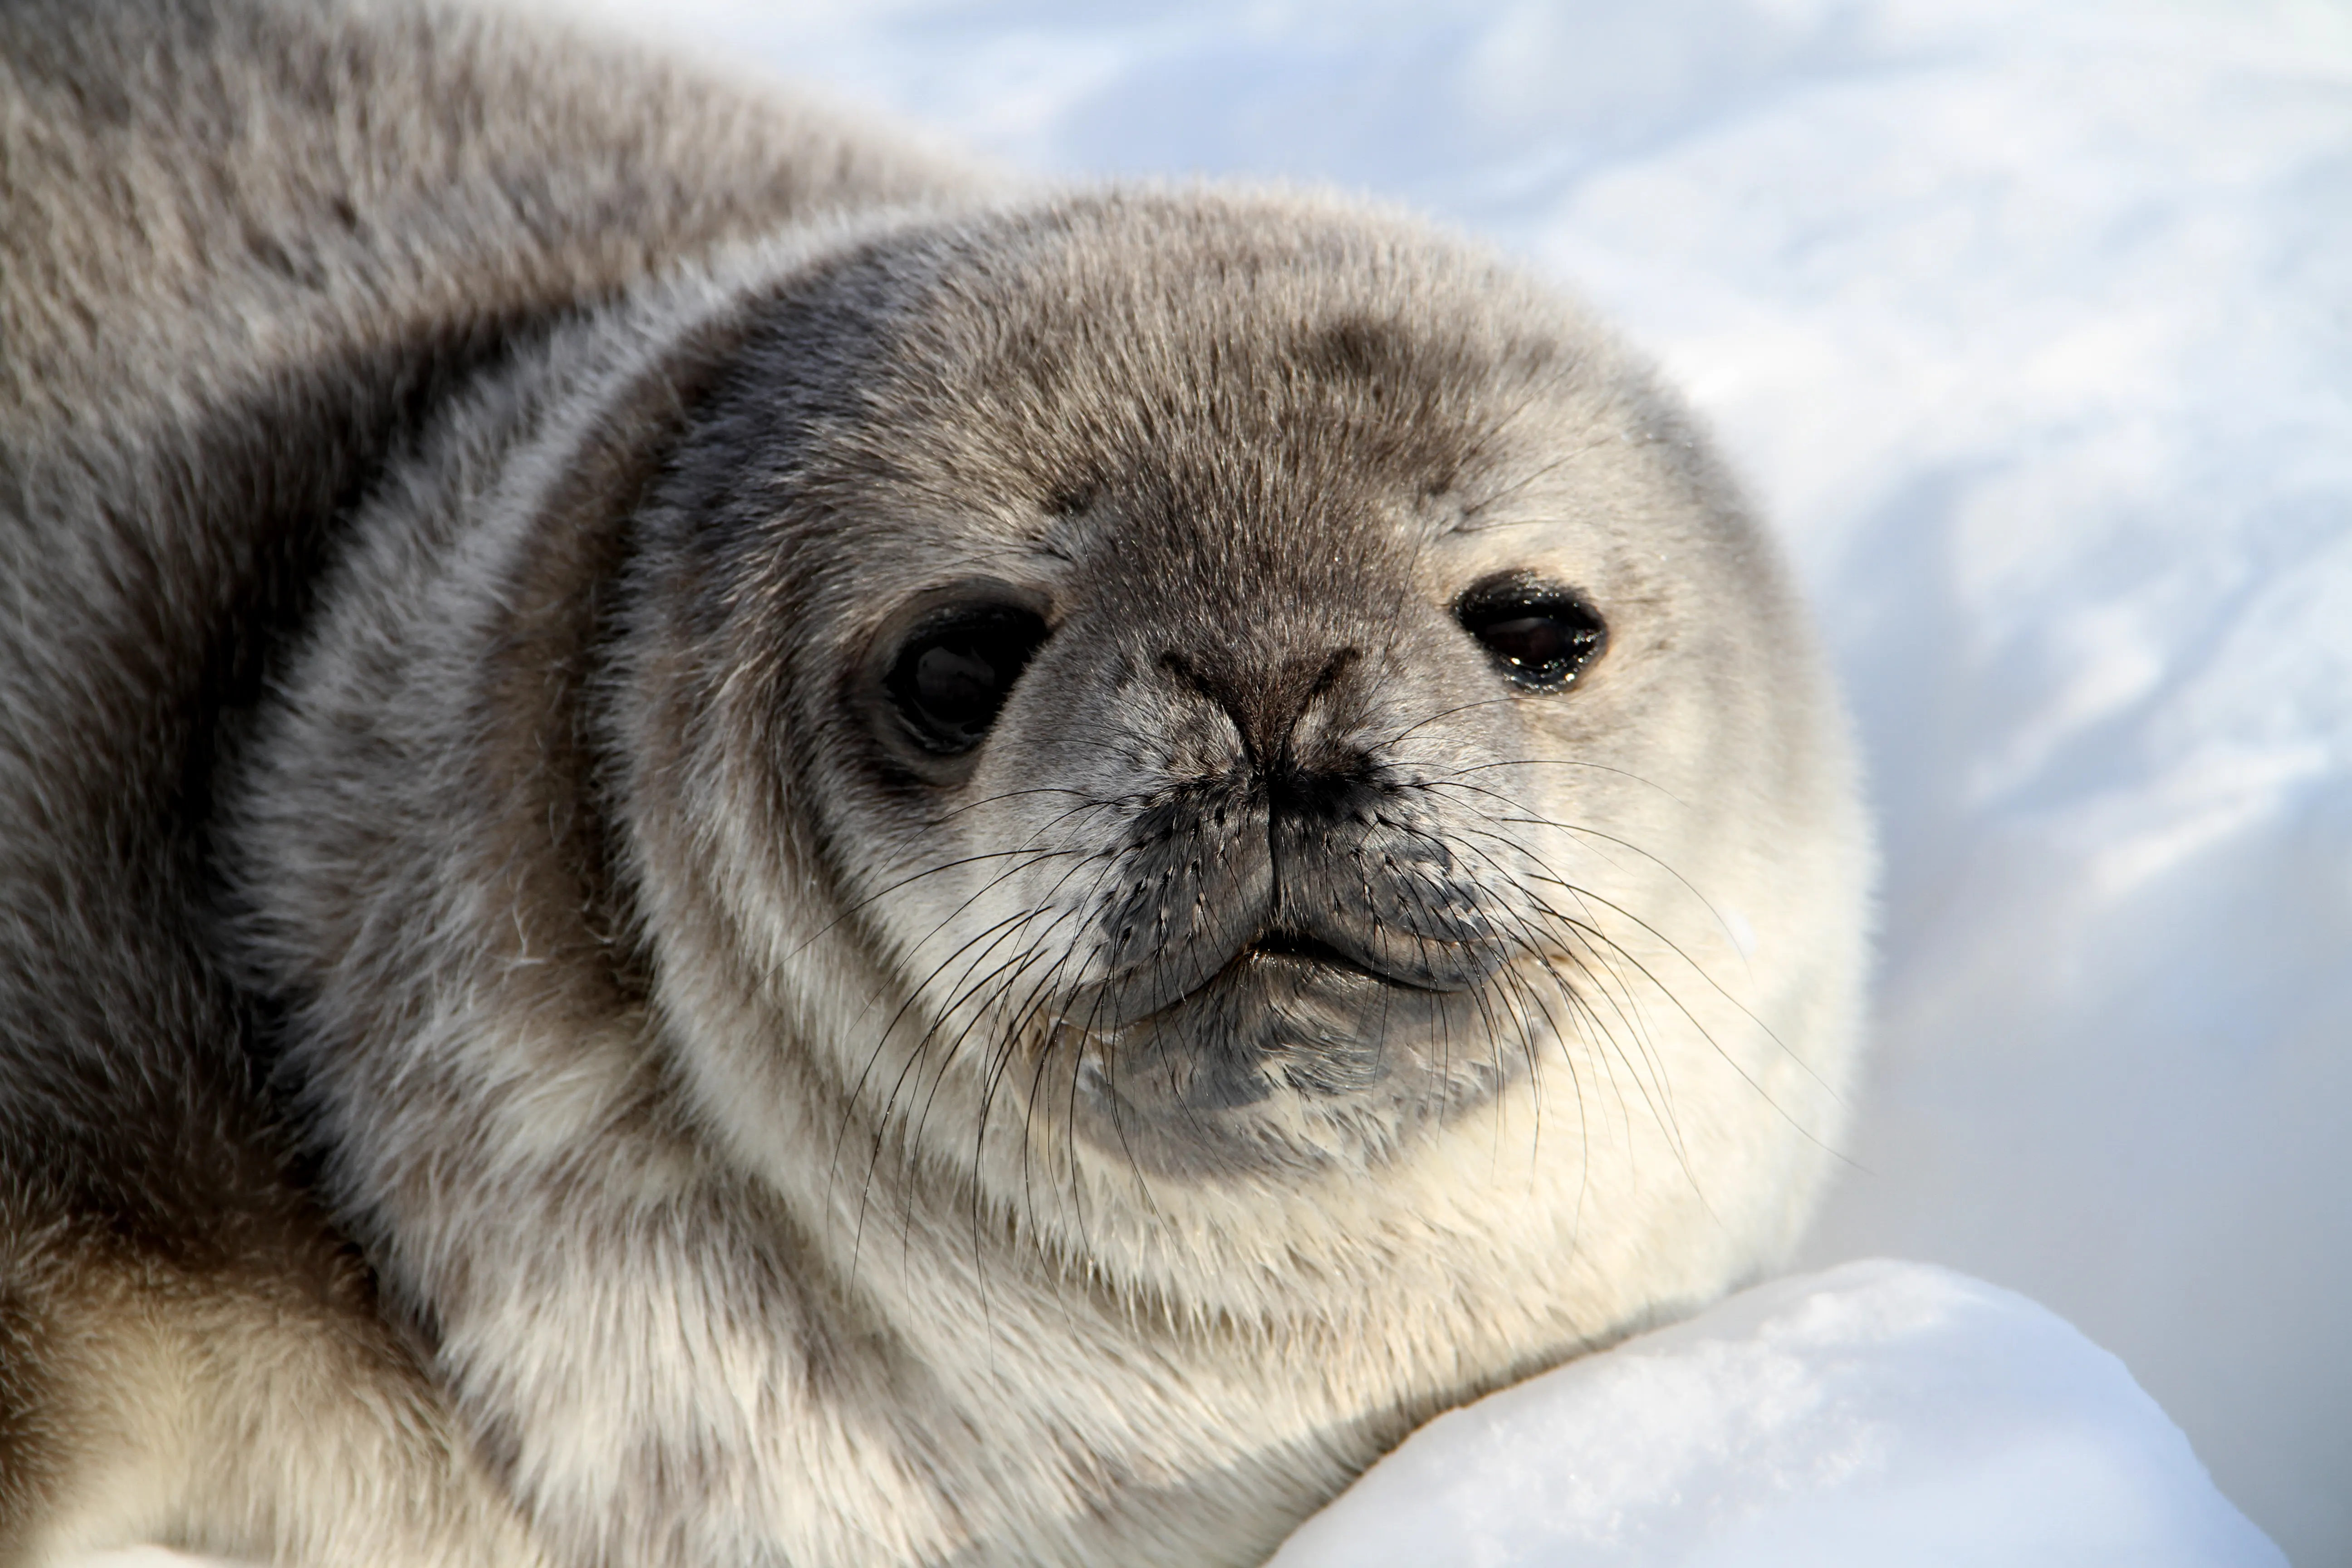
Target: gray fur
[{"x": 512, "y": 1050}]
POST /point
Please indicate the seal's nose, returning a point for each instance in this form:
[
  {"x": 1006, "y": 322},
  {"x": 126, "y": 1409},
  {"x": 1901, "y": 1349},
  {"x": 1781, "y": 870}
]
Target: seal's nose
[
  {"x": 1343, "y": 867},
  {"x": 1267, "y": 699}
]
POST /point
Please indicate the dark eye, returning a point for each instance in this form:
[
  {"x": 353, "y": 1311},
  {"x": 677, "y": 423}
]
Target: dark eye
[
  {"x": 953, "y": 674},
  {"x": 1542, "y": 637}
]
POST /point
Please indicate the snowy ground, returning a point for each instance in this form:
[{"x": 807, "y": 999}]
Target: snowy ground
[{"x": 2031, "y": 324}]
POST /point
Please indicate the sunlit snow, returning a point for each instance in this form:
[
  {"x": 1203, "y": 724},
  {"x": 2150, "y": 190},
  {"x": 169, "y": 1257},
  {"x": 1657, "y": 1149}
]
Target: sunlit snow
[{"x": 1879, "y": 1413}]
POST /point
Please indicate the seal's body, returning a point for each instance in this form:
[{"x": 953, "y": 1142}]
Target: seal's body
[{"x": 717, "y": 849}]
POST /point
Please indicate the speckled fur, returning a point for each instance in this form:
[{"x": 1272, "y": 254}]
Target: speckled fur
[{"x": 454, "y": 905}]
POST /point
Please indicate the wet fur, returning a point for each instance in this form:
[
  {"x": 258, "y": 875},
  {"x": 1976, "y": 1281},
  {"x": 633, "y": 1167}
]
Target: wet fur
[{"x": 497, "y": 1063}]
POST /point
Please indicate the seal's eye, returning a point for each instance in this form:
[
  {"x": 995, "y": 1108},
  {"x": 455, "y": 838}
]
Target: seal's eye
[
  {"x": 953, "y": 674},
  {"x": 1543, "y": 636}
]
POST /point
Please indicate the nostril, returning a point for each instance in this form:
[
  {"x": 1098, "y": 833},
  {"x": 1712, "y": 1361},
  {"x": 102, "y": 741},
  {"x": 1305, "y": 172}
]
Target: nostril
[
  {"x": 1265, "y": 697},
  {"x": 1335, "y": 790},
  {"x": 1335, "y": 670}
]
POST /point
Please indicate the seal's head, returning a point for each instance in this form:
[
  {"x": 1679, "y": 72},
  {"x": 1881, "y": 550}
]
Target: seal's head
[{"x": 1183, "y": 708}]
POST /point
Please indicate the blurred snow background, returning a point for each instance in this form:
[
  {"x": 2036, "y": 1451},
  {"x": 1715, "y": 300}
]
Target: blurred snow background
[{"x": 2031, "y": 324}]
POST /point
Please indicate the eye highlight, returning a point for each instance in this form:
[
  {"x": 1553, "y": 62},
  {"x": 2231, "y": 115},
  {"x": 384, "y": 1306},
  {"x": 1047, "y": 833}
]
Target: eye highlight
[
  {"x": 952, "y": 674},
  {"x": 1542, "y": 637}
]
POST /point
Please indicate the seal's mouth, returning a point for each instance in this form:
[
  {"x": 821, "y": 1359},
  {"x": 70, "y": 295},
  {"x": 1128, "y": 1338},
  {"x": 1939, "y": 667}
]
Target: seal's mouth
[
  {"x": 1282, "y": 962},
  {"x": 1304, "y": 954},
  {"x": 1285, "y": 955},
  {"x": 1291, "y": 1053}
]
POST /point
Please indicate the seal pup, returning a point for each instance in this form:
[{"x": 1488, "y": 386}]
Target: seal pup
[{"x": 721, "y": 849}]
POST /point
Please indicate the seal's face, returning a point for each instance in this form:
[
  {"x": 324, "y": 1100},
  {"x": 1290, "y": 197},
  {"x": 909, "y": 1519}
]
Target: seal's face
[
  {"x": 1260, "y": 695},
  {"x": 1238, "y": 870}
]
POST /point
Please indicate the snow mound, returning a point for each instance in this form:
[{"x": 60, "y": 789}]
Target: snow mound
[{"x": 1876, "y": 1414}]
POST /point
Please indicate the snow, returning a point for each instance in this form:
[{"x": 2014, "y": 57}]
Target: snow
[
  {"x": 1882, "y": 1413},
  {"x": 2032, "y": 325}
]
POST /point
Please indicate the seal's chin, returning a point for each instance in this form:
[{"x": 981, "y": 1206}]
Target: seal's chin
[{"x": 1292, "y": 1055}]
